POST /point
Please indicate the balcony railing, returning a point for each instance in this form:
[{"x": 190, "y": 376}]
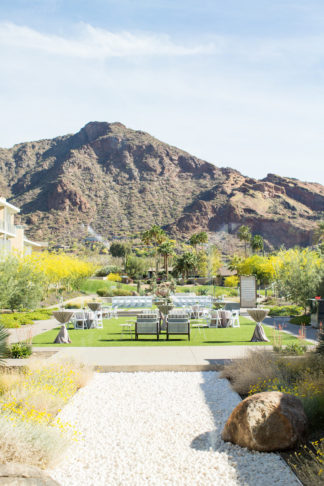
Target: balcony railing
[
  {"x": 7, "y": 227},
  {"x": 5, "y": 246}
]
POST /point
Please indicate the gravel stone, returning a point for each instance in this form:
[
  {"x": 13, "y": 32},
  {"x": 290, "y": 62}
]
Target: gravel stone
[{"x": 160, "y": 429}]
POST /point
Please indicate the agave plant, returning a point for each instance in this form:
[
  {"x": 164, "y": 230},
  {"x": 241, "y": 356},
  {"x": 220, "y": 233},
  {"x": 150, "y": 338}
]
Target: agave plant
[{"x": 3, "y": 342}]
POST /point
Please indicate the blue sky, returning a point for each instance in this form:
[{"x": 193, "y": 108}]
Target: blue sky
[{"x": 237, "y": 83}]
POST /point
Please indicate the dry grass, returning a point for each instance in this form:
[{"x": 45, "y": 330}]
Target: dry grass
[
  {"x": 31, "y": 432},
  {"x": 257, "y": 366},
  {"x": 29, "y": 443}
]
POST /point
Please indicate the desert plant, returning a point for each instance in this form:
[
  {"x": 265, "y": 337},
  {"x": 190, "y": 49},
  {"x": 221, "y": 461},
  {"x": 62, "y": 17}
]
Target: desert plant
[
  {"x": 294, "y": 349},
  {"x": 20, "y": 350},
  {"x": 30, "y": 400},
  {"x": 257, "y": 366},
  {"x": 286, "y": 310}
]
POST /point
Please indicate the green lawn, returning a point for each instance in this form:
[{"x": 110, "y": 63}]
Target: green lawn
[
  {"x": 216, "y": 290},
  {"x": 110, "y": 336},
  {"x": 90, "y": 286}
]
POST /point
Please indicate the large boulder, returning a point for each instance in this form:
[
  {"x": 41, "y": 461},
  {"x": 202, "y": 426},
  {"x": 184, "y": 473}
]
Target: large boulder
[{"x": 267, "y": 421}]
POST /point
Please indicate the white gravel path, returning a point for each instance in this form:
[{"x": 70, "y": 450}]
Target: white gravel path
[{"x": 160, "y": 429}]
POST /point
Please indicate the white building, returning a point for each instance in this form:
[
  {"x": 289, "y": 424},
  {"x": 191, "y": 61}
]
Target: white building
[{"x": 12, "y": 237}]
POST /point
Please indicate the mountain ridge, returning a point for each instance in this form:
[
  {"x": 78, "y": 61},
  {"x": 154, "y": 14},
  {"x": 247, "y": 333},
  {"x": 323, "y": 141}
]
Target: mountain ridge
[{"x": 120, "y": 180}]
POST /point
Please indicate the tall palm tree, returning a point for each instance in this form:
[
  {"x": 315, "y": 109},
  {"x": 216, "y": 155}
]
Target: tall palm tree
[
  {"x": 193, "y": 241},
  {"x": 166, "y": 249},
  {"x": 244, "y": 234},
  {"x": 154, "y": 236},
  {"x": 186, "y": 262},
  {"x": 198, "y": 239},
  {"x": 202, "y": 238},
  {"x": 257, "y": 243}
]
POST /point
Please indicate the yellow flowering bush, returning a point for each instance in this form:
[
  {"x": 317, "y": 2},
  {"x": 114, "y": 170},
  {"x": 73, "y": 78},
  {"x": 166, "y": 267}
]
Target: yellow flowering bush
[
  {"x": 33, "y": 399},
  {"x": 114, "y": 277},
  {"x": 61, "y": 269},
  {"x": 231, "y": 281}
]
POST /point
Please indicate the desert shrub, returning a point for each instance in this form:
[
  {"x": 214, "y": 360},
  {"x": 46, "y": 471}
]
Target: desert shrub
[
  {"x": 26, "y": 442},
  {"x": 30, "y": 401},
  {"x": 203, "y": 291},
  {"x": 286, "y": 310},
  {"x": 38, "y": 315},
  {"x": 73, "y": 306},
  {"x": 122, "y": 292},
  {"x": 20, "y": 350},
  {"x": 114, "y": 277},
  {"x": 14, "y": 320},
  {"x": 301, "y": 320},
  {"x": 104, "y": 292},
  {"x": 119, "y": 292},
  {"x": 104, "y": 271},
  {"x": 18, "y": 319},
  {"x": 292, "y": 349},
  {"x": 307, "y": 462},
  {"x": 257, "y": 366}
]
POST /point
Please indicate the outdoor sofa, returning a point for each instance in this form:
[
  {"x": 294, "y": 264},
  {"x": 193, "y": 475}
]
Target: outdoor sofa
[
  {"x": 178, "y": 325},
  {"x": 147, "y": 326}
]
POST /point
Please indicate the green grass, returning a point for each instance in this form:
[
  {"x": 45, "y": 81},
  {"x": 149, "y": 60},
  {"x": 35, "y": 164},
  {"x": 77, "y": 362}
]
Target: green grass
[
  {"x": 91, "y": 286},
  {"x": 110, "y": 335}
]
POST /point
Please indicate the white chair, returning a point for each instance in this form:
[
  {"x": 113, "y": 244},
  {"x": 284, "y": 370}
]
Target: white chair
[
  {"x": 79, "y": 320},
  {"x": 200, "y": 325},
  {"x": 98, "y": 320},
  {"x": 215, "y": 319},
  {"x": 127, "y": 329},
  {"x": 234, "y": 319}
]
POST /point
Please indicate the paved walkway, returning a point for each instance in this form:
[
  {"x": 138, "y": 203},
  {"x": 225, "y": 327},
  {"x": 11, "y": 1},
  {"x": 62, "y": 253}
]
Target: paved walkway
[
  {"x": 311, "y": 332},
  {"x": 25, "y": 332},
  {"x": 147, "y": 358}
]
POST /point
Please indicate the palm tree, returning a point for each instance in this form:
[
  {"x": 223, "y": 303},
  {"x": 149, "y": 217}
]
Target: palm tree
[
  {"x": 257, "y": 243},
  {"x": 198, "y": 238},
  {"x": 3, "y": 342},
  {"x": 193, "y": 241},
  {"x": 154, "y": 236},
  {"x": 319, "y": 233},
  {"x": 202, "y": 238},
  {"x": 244, "y": 234},
  {"x": 234, "y": 263},
  {"x": 185, "y": 263},
  {"x": 166, "y": 250}
]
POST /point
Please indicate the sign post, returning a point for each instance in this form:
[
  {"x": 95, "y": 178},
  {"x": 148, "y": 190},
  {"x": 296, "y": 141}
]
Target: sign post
[{"x": 248, "y": 291}]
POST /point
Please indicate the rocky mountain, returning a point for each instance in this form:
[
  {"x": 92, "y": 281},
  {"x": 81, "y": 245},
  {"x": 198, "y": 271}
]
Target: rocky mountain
[{"x": 121, "y": 181}]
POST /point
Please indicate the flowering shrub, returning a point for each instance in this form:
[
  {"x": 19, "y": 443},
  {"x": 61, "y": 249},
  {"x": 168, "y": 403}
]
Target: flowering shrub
[
  {"x": 61, "y": 269},
  {"x": 114, "y": 277},
  {"x": 29, "y": 403},
  {"x": 231, "y": 281}
]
